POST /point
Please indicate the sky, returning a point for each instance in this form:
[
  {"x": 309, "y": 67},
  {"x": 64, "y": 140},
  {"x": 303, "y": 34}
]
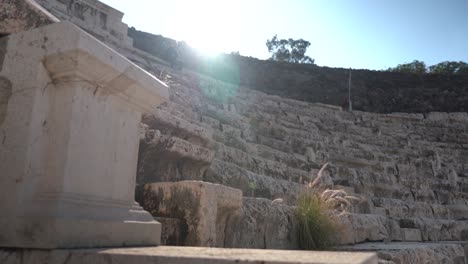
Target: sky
[{"x": 359, "y": 34}]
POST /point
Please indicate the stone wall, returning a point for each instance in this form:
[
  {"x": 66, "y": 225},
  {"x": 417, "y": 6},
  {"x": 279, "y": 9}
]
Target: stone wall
[
  {"x": 372, "y": 91},
  {"x": 410, "y": 170},
  {"x": 16, "y": 16},
  {"x": 97, "y": 18}
]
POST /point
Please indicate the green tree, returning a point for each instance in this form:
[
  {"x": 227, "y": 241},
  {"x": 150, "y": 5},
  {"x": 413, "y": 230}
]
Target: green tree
[
  {"x": 412, "y": 67},
  {"x": 450, "y": 67},
  {"x": 289, "y": 50}
]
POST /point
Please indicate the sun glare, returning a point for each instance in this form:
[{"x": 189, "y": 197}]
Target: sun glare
[{"x": 210, "y": 26}]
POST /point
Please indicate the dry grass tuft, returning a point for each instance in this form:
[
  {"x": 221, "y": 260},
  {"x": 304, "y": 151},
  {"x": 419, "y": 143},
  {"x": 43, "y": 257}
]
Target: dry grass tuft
[{"x": 318, "y": 211}]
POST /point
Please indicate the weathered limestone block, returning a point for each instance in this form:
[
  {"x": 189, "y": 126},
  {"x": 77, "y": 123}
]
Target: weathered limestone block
[
  {"x": 430, "y": 254},
  {"x": 20, "y": 15},
  {"x": 363, "y": 227},
  {"x": 413, "y": 253},
  {"x": 171, "y": 125},
  {"x": 70, "y": 142},
  {"x": 461, "y": 117},
  {"x": 172, "y": 230},
  {"x": 166, "y": 158},
  {"x": 260, "y": 165},
  {"x": 397, "y": 116},
  {"x": 411, "y": 234},
  {"x": 458, "y": 212},
  {"x": 229, "y": 138},
  {"x": 441, "y": 212},
  {"x": 437, "y": 116},
  {"x": 262, "y": 224},
  {"x": 252, "y": 184},
  {"x": 204, "y": 207},
  {"x": 223, "y": 116},
  {"x": 438, "y": 230},
  {"x": 401, "y": 209},
  {"x": 292, "y": 160}
]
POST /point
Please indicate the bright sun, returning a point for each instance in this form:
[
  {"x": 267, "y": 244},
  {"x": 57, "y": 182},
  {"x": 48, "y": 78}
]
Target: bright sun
[{"x": 210, "y": 26}]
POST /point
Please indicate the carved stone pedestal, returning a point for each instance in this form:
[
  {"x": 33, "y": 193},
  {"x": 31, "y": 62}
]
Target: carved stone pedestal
[{"x": 70, "y": 109}]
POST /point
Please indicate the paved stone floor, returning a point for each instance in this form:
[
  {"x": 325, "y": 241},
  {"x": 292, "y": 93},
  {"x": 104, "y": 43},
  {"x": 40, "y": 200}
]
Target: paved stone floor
[{"x": 182, "y": 255}]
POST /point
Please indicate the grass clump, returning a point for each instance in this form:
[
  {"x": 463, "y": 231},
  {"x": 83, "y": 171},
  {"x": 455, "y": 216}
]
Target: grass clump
[
  {"x": 318, "y": 211},
  {"x": 316, "y": 229}
]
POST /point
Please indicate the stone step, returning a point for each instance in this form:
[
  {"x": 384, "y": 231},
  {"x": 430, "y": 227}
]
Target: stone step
[
  {"x": 171, "y": 125},
  {"x": 203, "y": 207},
  {"x": 411, "y": 209},
  {"x": 262, "y": 223},
  {"x": 458, "y": 211},
  {"x": 233, "y": 137},
  {"x": 236, "y": 138},
  {"x": 437, "y": 229},
  {"x": 367, "y": 227},
  {"x": 358, "y": 228},
  {"x": 271, "y": 151},
  {"x": 172, "y": 230},
  {"x": 312, "y": 110},
  {"x": 273, "y": 143},
  {"x": 167, "y": 158},
  {"x": 224, "y": 116},
  {"x": 260, "y": 165},
  {"x": 413, "y": 252},
  {"x": 182, "y": 255},
  {"x": 181, "y": 110},
  {"x": 252, "y": 184}
]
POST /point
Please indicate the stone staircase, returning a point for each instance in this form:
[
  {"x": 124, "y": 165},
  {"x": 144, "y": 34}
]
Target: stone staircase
[{"x": 410, "y": 170}]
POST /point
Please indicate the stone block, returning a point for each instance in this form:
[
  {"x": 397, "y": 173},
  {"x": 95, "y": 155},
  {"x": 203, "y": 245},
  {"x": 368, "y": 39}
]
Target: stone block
[
  {"x": 458, "y": 212},
  {"x": 20, "y": 15},
  {"x": 171, "y": 125},
  {"x": 363, "y": 227},
  {"x": 204, "y": 207},
  {"x": 172, "y": 231},
  {"x": 437, "y": 116},
  {"x": 70, "y": 128},
  {"x": 183, "y": 255},
  {"x": 166, "y": 158},
  {"x": 405, "y": 116},
  {"x": 252, "y": 184},
  {"x": 411, "y": 234},
  {"x": 413, "y": 252},
  {"x": 379, "y": 211},
  {"x": 262, "y": 224}
]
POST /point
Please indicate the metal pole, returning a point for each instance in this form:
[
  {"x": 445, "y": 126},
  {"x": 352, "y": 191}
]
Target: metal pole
[{"x": 350, "y": 104}]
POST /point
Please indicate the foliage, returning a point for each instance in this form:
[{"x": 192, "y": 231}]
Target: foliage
[
  {"x": 316, "y": 228},
  {"x": 419, "y": 67},
  {"x": 318, "y": 213},
  {"x": 289, "y": 50},
  {"x": 450, "y": 67},
  {"x": 252, "y": 187},
  {"x": 416, "y": 66}
]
